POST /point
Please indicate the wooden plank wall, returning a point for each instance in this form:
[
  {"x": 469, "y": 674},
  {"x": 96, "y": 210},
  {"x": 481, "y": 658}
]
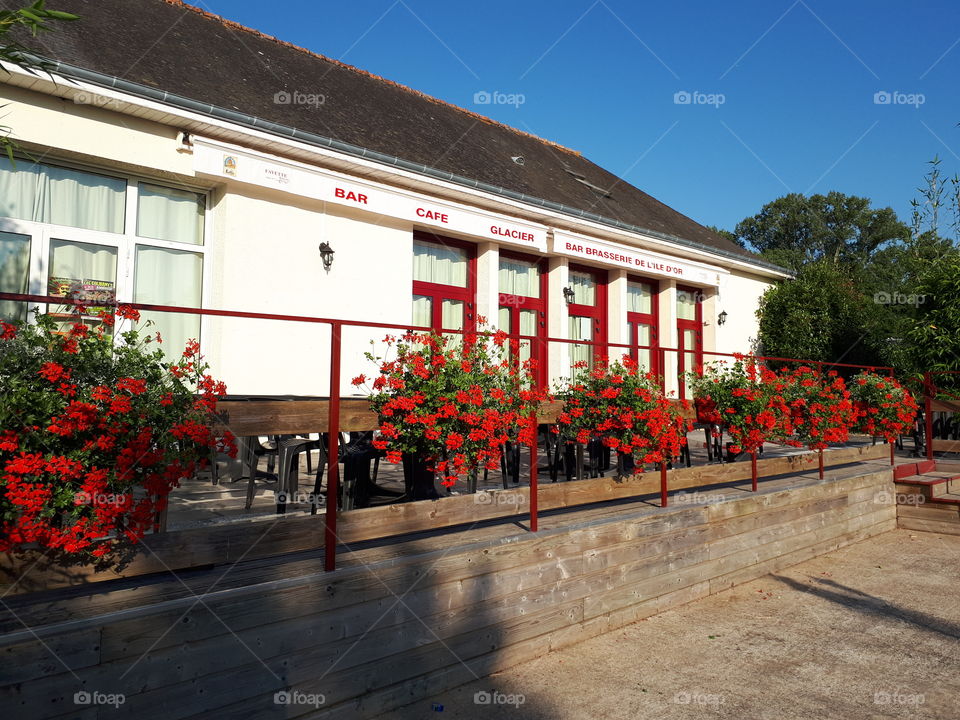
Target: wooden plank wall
[
  {"x": 226, "y": 544},
  {"x": 462, "y": 611}
]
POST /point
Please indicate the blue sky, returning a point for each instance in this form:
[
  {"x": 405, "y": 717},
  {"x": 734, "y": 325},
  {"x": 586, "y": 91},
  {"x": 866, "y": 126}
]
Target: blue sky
[{"x": 782, "y": 93}]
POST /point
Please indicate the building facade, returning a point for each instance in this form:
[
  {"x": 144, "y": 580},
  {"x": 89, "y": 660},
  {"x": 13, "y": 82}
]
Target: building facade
[{"x": 146, "y": 191}]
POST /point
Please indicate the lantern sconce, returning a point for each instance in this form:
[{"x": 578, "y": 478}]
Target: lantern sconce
[
  {"x": 326, "y": 254},
  {"x": 568, "y": 295},
  {"x": 722, "y": 317}
]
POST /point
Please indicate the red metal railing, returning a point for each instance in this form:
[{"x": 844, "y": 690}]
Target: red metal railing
[{"x": 336, "y": 328}]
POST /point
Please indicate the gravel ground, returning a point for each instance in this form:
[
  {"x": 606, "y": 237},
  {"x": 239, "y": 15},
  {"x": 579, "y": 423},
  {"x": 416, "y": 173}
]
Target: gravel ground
[{"x": 868, "y": 631}]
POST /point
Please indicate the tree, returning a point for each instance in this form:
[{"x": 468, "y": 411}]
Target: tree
[
  {"x": 794, "y": 230},
  {"x": 34, "y": 19},
  {"x": 726, "y": 234},
  {"x": 934, "y": 334},
  {"x": 826, "y": 313}
]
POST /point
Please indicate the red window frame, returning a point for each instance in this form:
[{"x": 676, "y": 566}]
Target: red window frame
[
  {"x": 651, "y": 320},
  {"x": 697, "y": 326},
  {"x": 438, "y": 292},
  {"x": 598, "y": 311},
  {"x": 538, "y": 351}
]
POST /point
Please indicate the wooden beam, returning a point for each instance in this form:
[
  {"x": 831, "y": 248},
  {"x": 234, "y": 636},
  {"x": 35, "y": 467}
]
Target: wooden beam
[
  {"x": 294, "y": 417},
  {"x": 946, "y": 446}
]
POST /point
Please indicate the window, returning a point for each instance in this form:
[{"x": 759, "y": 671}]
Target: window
[
  {"x": 642, "y": 324},
  {"x": 169, "y": 277},
  {"x": 443, "y": 284},
  {"x": 64, "y": 229},
  {"x": 61, "y": 196},
  {"x": 689, "y": 334},
  {"x": 14, "y": 273},
  {"x": 522, "y": 310},
  {"x": 587, "y": 317},
  {"x": 82, "y": 267},
  {"x": 170, "y": 214}
]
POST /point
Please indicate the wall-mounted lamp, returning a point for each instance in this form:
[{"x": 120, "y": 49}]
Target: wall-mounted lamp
[
  {"x": 722, "y": 317},
  {"x": 326, "y": 254},
  {"x": 568, "y": 294}
]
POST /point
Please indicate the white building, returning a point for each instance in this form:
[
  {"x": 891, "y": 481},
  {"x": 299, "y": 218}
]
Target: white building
[{"x": 204, "y": 166}]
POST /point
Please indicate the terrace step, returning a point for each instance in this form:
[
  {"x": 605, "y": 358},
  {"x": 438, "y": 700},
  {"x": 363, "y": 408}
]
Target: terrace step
[{"x": 928, "y": 500}]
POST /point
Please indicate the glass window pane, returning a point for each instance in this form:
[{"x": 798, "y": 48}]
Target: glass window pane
[
  {"x": 451, "y": 312},
  {"x": 639, "y": 298},
  {"x": 422, "y": 311},
  {"x": 641, "y": 337},
  {"x": 81, "y": 199},
  {"x": 170, "y": 214},
  {"x": 581, "y": 328},
  {"x": 687, "y": 304},
  {"x": 84, "y": 268},
  {"x": 503, "y": 319},
  {"x": 61, "y": 196},
  {"x": 528, "y": 327},
  {"x": 14, "y": 273},
  {"x": 519, "y": 278},
  {"x": 169, "y": 277},
  {"x": 439, "y": 264},
  {"x": 584, "y": 288}
]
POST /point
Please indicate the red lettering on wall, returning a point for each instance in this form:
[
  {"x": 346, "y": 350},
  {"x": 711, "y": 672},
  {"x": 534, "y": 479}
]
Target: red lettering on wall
[
  {"x": 433, "y": 215},
  {"x": 350, "y": 195}
]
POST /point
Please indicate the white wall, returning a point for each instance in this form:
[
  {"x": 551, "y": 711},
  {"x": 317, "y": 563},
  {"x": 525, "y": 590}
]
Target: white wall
[
  {"x": 267, "y": 261},
  {"x": 739, "y": 297}
]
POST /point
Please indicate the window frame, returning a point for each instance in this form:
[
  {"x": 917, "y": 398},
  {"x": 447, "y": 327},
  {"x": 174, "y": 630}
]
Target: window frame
[
  {"x": 697, "y": 326},
  {"x": 538, "y": 350},
  {"x": 651, "y": 320},
  {"x": 438, "y": 292},
  {"x": 41, "y": 234},
  {"x": 597, "y": 312}
]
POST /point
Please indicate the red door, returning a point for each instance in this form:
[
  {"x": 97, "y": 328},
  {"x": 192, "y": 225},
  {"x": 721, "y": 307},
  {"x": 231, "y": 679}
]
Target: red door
[
  {"x": 587, "y": 316},
  {"x": 523, "y": 308},
  {"x": 642, "y": 319},
  {"x": 689, "y": 334}
]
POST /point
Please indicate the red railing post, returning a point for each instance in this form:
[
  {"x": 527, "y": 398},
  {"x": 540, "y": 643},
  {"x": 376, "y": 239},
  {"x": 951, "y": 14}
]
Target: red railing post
[
  {"x": 533, "y": 476},
  {"x": 753, "y": 469},
  {"x": 663, "y": 484},
  {"x": 820, "y": 459},
  {"x": 928, "y": 411},
  {"x": 333, "y": 445}
]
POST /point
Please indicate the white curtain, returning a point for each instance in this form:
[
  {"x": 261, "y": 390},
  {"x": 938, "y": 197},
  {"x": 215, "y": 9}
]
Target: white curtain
[
  {"x": 14, "y": 273},
  {"x": 169, "y": 277},
  {"x": 45, "y": 193},
  {"x": 439, "y": 264},
  {"x": 519, "y": 278},
  {"x": 18, "y": 189},
  {"x": 422, "y": 311},
  {"x": 686, "y": 305},
  {"x": 170, "y": 214},
  {"x": 639, "y": 298},
  {"x": 584, "y": 288},
  {"x": 642, "y": 338}
]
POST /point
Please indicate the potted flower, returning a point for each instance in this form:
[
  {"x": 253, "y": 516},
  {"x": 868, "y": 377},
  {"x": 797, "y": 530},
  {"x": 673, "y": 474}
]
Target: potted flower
[
  {"x": 747, "y": 401},
  {"x": 627, "y": 411},
  {"x": 821, "y": 411},
  {"x": 446, "y": 408},
  {"x": 885, "y": 407},
  {"x": 94, "y": 433}
]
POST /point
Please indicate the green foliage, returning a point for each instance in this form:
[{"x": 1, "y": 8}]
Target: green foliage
[
  {"x": 827, "y": 313},
  {"x": 934, "y": 335},
  {"x": 794, "y": 230}
]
